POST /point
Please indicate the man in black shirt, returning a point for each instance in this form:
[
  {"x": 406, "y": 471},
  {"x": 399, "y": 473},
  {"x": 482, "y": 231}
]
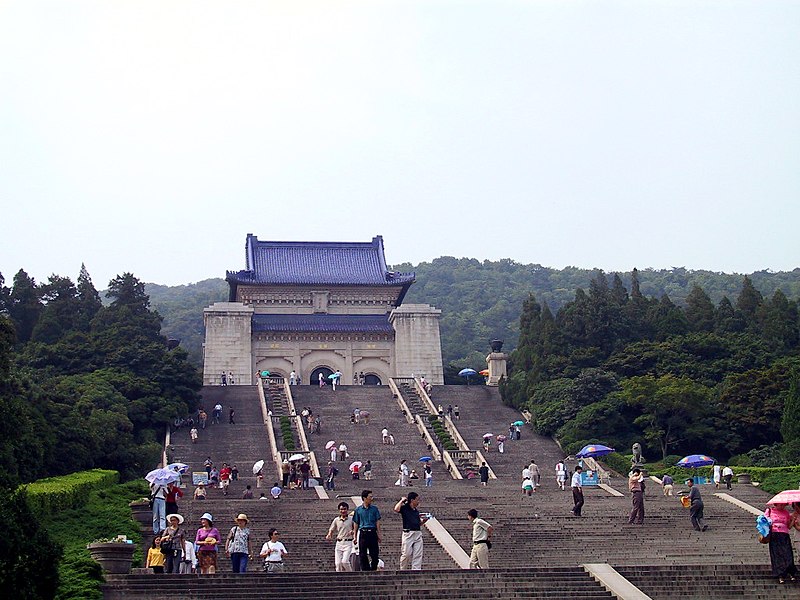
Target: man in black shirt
[{"x": 411, "y": 546}]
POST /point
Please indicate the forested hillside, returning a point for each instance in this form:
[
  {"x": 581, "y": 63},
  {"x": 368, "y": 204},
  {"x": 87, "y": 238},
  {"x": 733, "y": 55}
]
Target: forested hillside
[
  {"x": 480, "y": 300},
  {"x": 616, "y": 366},
  {"x": 84, "y": 385}
]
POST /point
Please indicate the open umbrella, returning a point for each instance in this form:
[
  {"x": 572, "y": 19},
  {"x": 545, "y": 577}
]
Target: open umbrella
[
  {"x": 786, "y": 497},
  {"x": 355, "y": 463},
  {"x": 425, "y": 459},
  {"x": 519, "y": 423},
  {"x": 364, "y": 414},
  {"x": 594, "y": 450},
  {"x": 485, "y": 435},
  {"x": 161, "y": 476},
  {"x": 485, "y": 372},
  {"x": 295, "y": 457},
  {"x": 258, "y": 466},
  {"x": 467, "y": 372},
  {"x": 330, "y": 445},
  {"x": 333, "y": 376},
  {"x": 695, "y": 460},
  {"x": 265, "y": 373},
  {"x": 179, "y": 467},
  {"x": 501, "y": 438}
]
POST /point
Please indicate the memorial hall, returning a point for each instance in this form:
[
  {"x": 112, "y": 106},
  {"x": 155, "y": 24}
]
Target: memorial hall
[{"x": 320, "y": 307}]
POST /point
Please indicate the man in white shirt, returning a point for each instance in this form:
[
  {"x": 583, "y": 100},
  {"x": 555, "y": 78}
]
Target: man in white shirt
[
  {"x": 727, "y": 476},
  {"x": 481, "y": 541},
  {"x": 577, "y": 491},
  {"x": 342, "y": 529},
  {"x": 273, "y": 552}
]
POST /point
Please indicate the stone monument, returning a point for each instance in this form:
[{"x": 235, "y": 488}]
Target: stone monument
[{"x": 496, "y": 363}]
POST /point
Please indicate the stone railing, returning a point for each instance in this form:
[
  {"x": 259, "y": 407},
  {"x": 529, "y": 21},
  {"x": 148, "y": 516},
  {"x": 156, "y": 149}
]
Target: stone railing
[
  {"x": 301, "y": 429},
  {"x": 273, "y": 445},
  {"x": 400, "y": 400}
]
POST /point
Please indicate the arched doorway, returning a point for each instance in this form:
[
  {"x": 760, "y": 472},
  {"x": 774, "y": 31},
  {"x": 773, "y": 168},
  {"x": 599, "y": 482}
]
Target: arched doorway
[
  {"x": 314, "y": 380},
  {"x": 371, "y": 379}
]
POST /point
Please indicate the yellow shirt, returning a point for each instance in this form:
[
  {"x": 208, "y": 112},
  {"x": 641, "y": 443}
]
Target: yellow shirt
[{"x": 155, "y": 558}]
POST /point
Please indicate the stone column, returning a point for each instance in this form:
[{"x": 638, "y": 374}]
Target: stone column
[
  {"x": 417, "y": 345},
  {"x": 228, "y": 345},
  {"x": 496, "y": 362}
]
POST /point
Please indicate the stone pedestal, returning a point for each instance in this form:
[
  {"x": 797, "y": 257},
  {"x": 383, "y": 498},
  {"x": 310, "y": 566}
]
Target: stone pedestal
[
  {"x": 417, "y": 346},
  {"x": 228, "y": 343},
  {"x": 496, "y": 363}
]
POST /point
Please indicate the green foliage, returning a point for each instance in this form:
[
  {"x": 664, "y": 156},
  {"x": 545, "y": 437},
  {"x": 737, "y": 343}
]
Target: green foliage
[
  {"x": 287, "y": 433},
  {"x": 620, "y": 367},
  {"x": 48, "y": 497},
  {"x": 105, "y": 514},
  {"x": 28, "y": 555}
]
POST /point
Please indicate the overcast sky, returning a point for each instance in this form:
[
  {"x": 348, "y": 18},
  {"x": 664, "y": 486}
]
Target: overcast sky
[{"x": 151, "y": 137}]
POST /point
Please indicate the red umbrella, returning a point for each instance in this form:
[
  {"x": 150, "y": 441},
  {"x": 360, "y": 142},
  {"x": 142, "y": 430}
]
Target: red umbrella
[{"x": 786, "y": 497}]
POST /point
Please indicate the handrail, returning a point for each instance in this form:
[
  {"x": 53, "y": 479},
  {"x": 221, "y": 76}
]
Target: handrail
[
  {"x": 273, "y": 445},
  {"x": 400, "y": 400},
  {"x": 301, "y": 429}
]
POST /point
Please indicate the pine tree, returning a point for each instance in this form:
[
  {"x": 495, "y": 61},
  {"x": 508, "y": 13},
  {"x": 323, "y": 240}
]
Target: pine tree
[
  {"x": 88, "y": 297},
  {"x": 699, "y": 310},
  {"x": 24, "y": 306},
  {"x": 749, "y": 300}
]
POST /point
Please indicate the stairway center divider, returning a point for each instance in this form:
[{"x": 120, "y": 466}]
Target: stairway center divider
[
  {"x": 444, "y": 455},
  {"x": 451, "y": 428},
  {"x": 273, "y": 445},
  {"x": 301, "y": 431}
]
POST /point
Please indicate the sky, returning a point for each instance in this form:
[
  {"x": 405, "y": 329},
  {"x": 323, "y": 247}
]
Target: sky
[{"x": 151, "y": 137}]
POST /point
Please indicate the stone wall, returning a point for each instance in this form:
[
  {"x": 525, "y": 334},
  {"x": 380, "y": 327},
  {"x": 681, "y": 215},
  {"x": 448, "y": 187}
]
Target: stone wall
[
  {"x": 417, "y": 346},
  {"x": 228, "y": 343}
]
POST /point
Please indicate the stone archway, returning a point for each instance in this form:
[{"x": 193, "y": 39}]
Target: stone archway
[
  {"x": 314, "y": 378},
  {"x": 372, "y": 379}
]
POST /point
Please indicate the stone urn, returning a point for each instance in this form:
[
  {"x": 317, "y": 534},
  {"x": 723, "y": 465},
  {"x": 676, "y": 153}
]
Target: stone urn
[
  {"x": 497, "y": 345},
  {"x": 141, "y": 512},
  {"x": 114, "y": 557}
]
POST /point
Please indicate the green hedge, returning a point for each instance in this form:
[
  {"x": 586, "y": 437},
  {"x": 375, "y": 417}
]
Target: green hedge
[
  {"x": 52, "y": 495},
  {"x": 287, "y": 434}
]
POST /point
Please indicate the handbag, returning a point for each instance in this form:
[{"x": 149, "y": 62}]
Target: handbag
[
  {"x": 166, "y": 545},
  {"x": 685, "y": 502}
]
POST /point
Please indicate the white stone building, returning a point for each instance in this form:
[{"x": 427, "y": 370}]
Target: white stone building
[{"x": 319, "y": 307}]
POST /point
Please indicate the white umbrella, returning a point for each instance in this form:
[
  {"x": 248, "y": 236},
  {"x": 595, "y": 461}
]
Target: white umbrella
[
  {"x": 258, "y": 466},
  {"x": 179, "y": 467},
  {"x": 488, "y": 435},
  {"x": 330, "y": 445},
  {"x": 295, "y": 457},
  {"x": 161, "y": 476},
  {"x": 355, "y": 463}
]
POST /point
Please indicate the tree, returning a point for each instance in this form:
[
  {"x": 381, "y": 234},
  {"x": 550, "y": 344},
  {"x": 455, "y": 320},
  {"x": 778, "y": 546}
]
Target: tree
[
  {"x": 778, "y": 322},
  {"x": 699, "y": 310},
  {"x": 673, "y": 410},
  {"x": 59, "y": 315},
  {"x": 24, "y": 306},
  {"x": 88, "y": 298},
  {"x": 790, "y": 421}
]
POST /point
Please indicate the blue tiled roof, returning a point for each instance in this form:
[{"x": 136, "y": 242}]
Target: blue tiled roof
[
  {"x": 317, "y": 263},
  {"x": 322, "y": 323}
]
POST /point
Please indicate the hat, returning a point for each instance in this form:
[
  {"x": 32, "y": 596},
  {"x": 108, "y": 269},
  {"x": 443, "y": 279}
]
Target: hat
[
  {"x": 208, "y": 517},
  {"x": 242, "y": 517},
  {"x": 177, "y": 516}
]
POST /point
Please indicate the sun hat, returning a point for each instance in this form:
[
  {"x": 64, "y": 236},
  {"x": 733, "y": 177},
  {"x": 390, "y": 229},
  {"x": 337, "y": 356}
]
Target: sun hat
[
  {"x": 207, "y": 517},
  {"x": 177, "y": 516},
  {"x": 242, "y": 517}
]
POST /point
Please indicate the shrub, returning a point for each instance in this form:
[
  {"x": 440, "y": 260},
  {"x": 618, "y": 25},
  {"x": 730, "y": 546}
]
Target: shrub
[{"x": 54, "y": 494}]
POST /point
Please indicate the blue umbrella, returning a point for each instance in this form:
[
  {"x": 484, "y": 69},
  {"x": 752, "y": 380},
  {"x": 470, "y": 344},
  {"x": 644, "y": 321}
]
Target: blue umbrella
[
  {"x": 695, "y": 460},
  {"x": 179, "y": 467},
  {"x": 594, "y": 450},
  {"x": 425, "y": 459},
  {"x": 467, "y": 372}
]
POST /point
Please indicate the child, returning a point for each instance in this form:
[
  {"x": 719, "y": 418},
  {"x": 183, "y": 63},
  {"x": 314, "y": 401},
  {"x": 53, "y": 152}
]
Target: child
[{"x": 155, "y": 558}]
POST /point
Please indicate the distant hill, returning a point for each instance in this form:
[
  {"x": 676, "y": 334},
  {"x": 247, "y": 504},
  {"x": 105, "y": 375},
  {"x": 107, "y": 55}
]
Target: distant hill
[{"x": 480, "y": 300}]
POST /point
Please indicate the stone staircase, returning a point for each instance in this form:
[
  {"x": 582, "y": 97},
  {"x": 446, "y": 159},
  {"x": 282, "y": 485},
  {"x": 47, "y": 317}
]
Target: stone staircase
[
  {"x": 538, "y": 548},
  {"x": 363, "y": 440}
]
